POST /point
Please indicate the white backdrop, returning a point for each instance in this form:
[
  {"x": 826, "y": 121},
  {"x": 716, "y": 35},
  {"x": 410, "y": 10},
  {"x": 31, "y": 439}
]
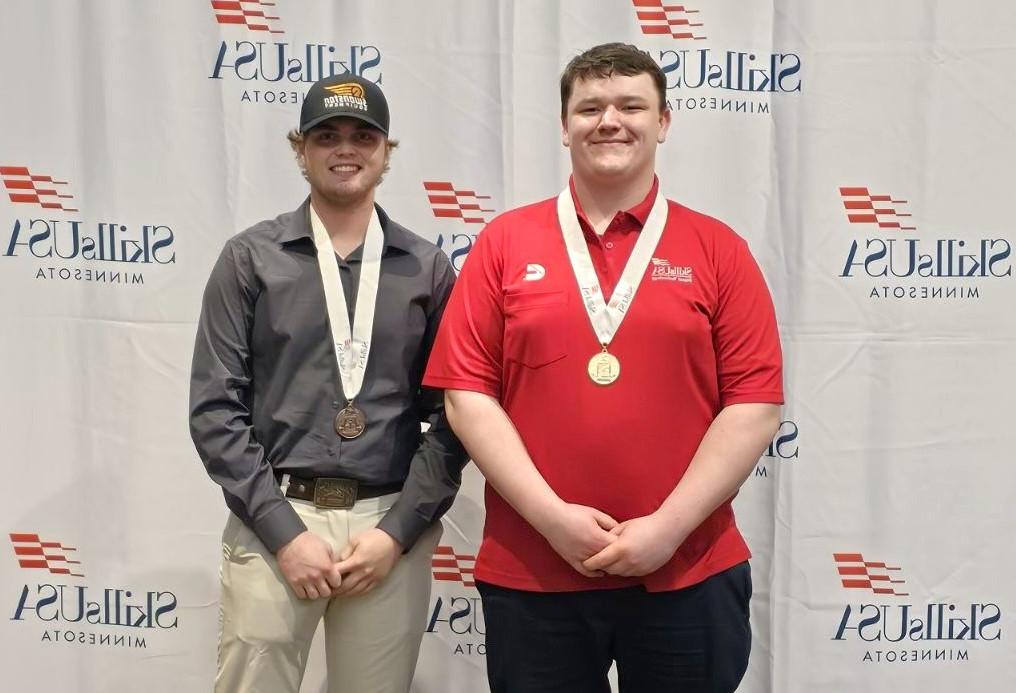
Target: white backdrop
[{"x": 864, "y": 149}]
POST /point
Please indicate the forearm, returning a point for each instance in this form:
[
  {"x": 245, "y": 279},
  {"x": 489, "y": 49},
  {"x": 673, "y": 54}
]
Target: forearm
[
  {"x": 494, "y": 444},
  {"x": 726, "y": 456},
  {"x": 433, "y": 480},
  {"x": 237, "y": 463},
  {"x": 220, "y": 426}
]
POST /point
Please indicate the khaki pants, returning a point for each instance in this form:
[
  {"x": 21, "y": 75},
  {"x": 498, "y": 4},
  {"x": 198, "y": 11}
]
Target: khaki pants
[{"x": 371, "y": 641}]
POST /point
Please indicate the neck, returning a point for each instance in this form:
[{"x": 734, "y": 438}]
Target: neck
[
  {"x": 602, "y": 199},
  {"x": 346, "y": 223}
]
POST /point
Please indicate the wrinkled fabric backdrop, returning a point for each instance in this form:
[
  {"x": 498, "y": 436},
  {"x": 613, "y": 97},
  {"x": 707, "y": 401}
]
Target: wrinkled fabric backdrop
[{"x": 863, "y": 149}]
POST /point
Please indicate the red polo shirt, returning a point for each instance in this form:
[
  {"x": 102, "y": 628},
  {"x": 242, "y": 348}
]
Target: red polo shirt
[{"x": 700, "y": 335}]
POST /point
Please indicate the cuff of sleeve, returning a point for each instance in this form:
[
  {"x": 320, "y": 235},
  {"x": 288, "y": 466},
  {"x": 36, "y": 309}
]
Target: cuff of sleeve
[
  {"x": 404, "y": 527},
  {"x": 279, "y": 527},
  {"x": 770, "y": 397}
]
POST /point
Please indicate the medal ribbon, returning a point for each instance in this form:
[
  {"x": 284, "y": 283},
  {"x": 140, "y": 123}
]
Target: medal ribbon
[
  {"x": 352, "y": 343},
  {"x": 606, "y": 317}
]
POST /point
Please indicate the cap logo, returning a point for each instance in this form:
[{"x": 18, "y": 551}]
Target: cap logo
[
  {"x": 348, "y": 89},
  {"x": 347, "y": 95}
]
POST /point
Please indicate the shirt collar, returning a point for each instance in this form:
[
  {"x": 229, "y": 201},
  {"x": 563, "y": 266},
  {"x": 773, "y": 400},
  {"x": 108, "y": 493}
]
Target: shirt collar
[
  {"x": 299, "y": 228},
  {"x": 639, "y": 213}
]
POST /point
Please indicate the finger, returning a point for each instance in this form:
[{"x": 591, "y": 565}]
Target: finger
[
  {"x": 577, "y": 565},
  {"x": 361, "y": 588},
  {"x": 349, "y": 583},
  {"x": 603, "y": 519},
  {"x": 310, "y": 592},
  {"x": 620, "y": 569},
  {"x": 347, "y": 551},
  {"x": 349, "y": 565},
  {"x": 610, "y": 554},
  {"x": 334, "y": 577},
  {"x": 322, "y": 588},
  {"x": 298, "y": 591}
]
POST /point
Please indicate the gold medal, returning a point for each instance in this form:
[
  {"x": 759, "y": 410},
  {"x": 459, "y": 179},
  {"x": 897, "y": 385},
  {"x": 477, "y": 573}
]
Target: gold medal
[
  {"x": 604, "y": 368},
  {"x": 350, "y": 422}
]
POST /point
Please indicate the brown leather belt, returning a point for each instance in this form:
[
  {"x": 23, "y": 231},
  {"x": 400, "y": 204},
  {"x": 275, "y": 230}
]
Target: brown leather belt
[{"x": 340, "y": 494}]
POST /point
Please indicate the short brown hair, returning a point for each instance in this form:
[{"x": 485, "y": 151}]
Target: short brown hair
[{"x": 607, "y": 59}]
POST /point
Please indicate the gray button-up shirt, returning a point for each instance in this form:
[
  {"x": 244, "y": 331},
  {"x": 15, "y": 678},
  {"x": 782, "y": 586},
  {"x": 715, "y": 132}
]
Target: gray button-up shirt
[{"x": 265, "y": 386}]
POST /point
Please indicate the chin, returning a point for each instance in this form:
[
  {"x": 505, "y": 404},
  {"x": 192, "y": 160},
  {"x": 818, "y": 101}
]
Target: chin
[{"x": 613, "y": 171}]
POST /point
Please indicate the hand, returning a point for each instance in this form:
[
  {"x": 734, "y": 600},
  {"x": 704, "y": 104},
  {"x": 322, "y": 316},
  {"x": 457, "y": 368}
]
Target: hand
[
  {"x": 308, "y": 565},
  {"x": 366, "y": 561},
  {"x": 578, "y": 532},
  {"x": 642, "y": 545}
]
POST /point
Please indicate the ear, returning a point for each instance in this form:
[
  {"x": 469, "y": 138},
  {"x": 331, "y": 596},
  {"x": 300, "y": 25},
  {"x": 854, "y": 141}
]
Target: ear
[
  {"x": 565, "y": 140},
  {"x": 665, "y": 119}
]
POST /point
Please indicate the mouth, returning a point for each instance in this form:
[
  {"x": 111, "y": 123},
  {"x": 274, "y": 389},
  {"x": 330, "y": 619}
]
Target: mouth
[{"x": 344, "y": 168}]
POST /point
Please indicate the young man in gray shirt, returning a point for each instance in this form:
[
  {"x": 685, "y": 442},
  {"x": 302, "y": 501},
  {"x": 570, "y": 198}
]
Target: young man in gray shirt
[{"x": 306, "y": 407}]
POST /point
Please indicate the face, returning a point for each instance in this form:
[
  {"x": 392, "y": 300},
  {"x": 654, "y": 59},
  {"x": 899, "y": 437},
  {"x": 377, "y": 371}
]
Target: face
[
  {"x": 612, "y": 127},
  {"x": 344, "y": 159}
]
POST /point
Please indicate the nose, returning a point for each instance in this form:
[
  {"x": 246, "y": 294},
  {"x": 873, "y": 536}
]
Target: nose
[
  {"x": 344, "y": 145},
  {"x": 611, "y": 119}
]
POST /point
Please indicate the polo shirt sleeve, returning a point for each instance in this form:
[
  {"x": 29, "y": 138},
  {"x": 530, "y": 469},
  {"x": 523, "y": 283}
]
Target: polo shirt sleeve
[
  {"x": 467, "y": 351},
  {"x": 746, "y": 341}
]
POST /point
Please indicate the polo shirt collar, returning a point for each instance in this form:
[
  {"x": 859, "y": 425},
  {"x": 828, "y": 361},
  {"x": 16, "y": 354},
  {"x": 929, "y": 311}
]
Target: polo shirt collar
[
  {"x": 639, "y": 213},
  {"x": 299, "y": 228}
]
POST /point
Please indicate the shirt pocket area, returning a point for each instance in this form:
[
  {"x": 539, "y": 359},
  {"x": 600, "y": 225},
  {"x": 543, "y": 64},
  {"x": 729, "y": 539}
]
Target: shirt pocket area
[{"x": 535, "y": 327}]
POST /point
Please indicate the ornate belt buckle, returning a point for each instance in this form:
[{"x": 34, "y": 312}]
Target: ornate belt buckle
[{"x": 338, "y": 494}]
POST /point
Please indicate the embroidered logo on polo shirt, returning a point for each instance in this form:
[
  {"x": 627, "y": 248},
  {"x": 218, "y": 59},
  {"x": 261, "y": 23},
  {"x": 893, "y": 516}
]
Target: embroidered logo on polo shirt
[
  {"x": 534, "y": 272},
  {"x": 664, "y": 271}
]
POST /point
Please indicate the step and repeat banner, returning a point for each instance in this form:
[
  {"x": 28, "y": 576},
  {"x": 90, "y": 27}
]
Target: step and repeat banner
[{"x": 864, "y": 149}]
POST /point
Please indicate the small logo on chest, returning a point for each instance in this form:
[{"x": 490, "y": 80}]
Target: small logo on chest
[
  {"x": 664, "y": 271},
  {"x": 534, "y": 272}
]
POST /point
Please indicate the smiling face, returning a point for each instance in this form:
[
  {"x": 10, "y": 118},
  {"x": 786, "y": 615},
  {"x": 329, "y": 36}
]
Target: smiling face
[
  {"x": 344, "y": 159},
  {"x": 612, "y": 126}
]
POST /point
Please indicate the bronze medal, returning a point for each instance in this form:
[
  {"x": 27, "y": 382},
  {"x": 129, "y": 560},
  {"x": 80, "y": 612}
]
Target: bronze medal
[
  {"x": 350, "y": 422},
  {"x": 604, "y": 368}
]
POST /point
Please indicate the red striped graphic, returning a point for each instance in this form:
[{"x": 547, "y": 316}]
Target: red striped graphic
[
  {"x": 857, "y": 573},
  {"x": 656, "y": 18},
  {"x": 245, "y": 12},
  {"x": 447, "y": 202},
  {"x": 32, "y": 552},
  {"x": 861, "y": 209},
  {"x": 453, "y": 567},
  {"x": 21, "y": 188}
]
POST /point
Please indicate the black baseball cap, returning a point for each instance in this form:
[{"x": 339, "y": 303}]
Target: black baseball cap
[{"x": 344, "y": 95}]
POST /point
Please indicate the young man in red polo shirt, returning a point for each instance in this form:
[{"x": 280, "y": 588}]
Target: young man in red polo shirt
[{"x": 612, "y": 364}]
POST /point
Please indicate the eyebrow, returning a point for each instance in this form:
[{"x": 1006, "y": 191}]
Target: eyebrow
[{"x": 630, "y": 98}]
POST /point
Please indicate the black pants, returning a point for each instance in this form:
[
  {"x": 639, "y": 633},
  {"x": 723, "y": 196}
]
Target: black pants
[{"x": 694, "y": 640}]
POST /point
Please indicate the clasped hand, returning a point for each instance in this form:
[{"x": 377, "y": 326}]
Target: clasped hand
[
  {"x": 595, "y": 544},
  {"x": 314, "y": 572}
]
